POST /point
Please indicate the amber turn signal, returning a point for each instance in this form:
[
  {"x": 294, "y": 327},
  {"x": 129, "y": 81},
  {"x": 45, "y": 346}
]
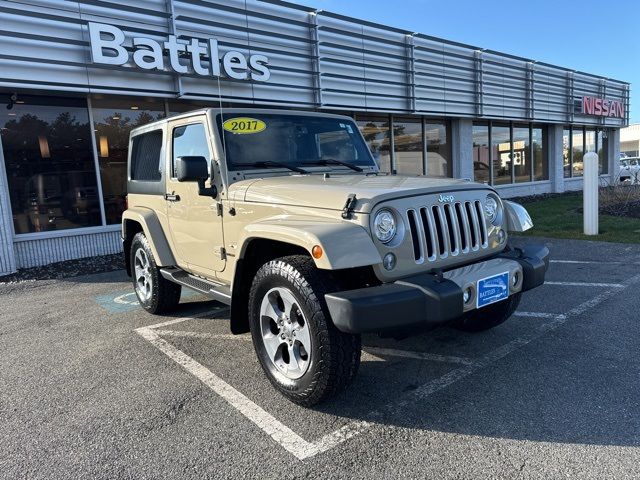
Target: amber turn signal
[{"x": 316, "y": 251}]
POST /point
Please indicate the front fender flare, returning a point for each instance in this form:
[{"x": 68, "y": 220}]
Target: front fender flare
[
  {"x": 152, "y": 228},
  {"x": 344, "y": 245}
]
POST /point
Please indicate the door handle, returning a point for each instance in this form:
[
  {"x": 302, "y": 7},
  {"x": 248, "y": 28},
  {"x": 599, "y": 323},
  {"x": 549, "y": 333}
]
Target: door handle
[{"x": 171, "y": 197}]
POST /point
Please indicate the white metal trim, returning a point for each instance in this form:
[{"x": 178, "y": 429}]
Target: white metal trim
[
  {"x": 73, "y": 232},
  {"x": 96, "y": 161}
]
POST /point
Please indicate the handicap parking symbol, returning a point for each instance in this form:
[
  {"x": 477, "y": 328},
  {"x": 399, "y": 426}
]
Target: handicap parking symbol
[
  {"x": 122, "y": 302},
  {"x": 119, "y": 302}
]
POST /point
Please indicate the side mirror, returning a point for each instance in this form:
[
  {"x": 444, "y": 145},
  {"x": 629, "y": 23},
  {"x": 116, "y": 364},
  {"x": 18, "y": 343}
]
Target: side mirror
[
  {"x": 195, "y": 169},
  {"x": 191, "y": 169}
]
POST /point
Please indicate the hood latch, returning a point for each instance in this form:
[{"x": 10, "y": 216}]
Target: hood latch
[{"x": 349, "y": 206}]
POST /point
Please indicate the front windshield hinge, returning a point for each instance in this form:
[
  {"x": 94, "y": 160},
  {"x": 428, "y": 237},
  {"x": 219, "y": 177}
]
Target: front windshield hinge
[
  {"x": 219, "y": 209},
  {"x": 349, "y": 206}
]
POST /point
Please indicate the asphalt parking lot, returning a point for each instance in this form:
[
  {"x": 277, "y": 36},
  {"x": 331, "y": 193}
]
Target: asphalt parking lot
[{"x": 93, "y": 387}]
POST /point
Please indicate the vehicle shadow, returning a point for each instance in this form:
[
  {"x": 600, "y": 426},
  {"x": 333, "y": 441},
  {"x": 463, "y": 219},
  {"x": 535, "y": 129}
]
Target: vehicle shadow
[{"x": 546, "y": 392}]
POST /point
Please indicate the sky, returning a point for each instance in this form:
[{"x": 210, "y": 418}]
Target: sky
[{"x": 599, "y": 37}]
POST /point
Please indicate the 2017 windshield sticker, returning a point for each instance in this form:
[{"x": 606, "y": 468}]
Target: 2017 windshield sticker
[{"x": 244, "y": 125}]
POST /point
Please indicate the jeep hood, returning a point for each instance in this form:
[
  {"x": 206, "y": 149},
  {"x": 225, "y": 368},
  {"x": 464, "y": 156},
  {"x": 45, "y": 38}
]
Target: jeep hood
[{"x": 318, "y": 191}]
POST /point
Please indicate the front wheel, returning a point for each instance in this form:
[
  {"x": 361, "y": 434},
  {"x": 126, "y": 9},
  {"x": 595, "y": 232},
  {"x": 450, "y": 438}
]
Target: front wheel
[
  {"x": 488, "y": 317},
  {"x": 304, "y": 356}
]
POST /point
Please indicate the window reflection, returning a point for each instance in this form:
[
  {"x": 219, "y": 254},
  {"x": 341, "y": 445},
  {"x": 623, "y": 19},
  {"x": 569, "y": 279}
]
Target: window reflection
[
  {"x": 521, "y": 154},
  {"x": 113, "y": 120},
  {"x": 566, "y": 152},
  {"x": 438, "y": 164},
  {"x": 540, "y": 165},
  {"x": 577, "y": 151},
  {"x": 501, "y": 151},
  {"x": 50, "y": 164},
  {"x": 602, "y": 141},
  {"x": 408, "y": 146},
  {"x": 377, "y": 134},
  {"x": 481, "y": 153}
]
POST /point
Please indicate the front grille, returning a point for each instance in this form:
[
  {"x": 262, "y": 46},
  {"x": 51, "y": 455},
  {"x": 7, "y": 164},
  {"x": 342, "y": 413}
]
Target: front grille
[{"x": 452, "y": 229}]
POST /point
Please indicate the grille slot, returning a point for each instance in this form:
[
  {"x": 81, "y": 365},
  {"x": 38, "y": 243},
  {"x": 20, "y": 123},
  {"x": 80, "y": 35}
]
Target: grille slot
[
  {"x": 440, "y": 231},
  {"x": 415, "y": 238}
]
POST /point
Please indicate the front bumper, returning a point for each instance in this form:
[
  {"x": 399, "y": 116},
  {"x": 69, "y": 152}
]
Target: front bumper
[{"x": 427, "y": 300}]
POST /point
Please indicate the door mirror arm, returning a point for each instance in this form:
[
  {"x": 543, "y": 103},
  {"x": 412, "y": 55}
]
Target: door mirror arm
[{"x": 203, "y": 191}]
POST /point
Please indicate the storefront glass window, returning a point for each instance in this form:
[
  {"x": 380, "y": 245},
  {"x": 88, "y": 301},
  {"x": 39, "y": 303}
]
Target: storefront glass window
[
  {"x": 113, "y": 120},
  {"x": 577, "y": 151},
  {"x": 566, "y": 152},
  {"x": 603, "y": 148},
  {"x": 408, "y": 146},
  {"x": 590, "y": 140},
  {"x": 438, "y": 150},
  {"x": 481, "y": 153},
  {"x": 521, "y": 154},
  {"x": 501, "y": 151},
  {"x": 50, "y": 164},
  {"x": 377, "y": 134},
  {"x": 540, "y": 162}
]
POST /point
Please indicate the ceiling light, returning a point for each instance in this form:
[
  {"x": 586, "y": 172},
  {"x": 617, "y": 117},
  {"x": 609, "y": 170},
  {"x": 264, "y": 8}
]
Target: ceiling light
[{"x": 134, "y": 107}]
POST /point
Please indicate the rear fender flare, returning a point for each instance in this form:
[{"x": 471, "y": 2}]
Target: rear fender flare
[{"x": 152, "y": 228}]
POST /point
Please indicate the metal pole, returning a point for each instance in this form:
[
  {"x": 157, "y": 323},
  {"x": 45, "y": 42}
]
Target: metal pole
[{"x": 590, "y": 198}]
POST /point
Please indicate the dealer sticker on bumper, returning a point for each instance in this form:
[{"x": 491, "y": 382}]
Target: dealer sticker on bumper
[{"x": 492, "y": 289}]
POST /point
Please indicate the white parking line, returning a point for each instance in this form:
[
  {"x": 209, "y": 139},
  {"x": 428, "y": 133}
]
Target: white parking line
[
  {"x": 369, "y": 354},
  {"x": 182, "y": 333},
  {"x": 418, "y": 355},
  {"x": 586, "y": 262},
  {"x": 301, "y": 448},
  {"x": 428, "y": 389},
  {"x": 586, "y": 284},
  {"x": 282, "y": 434},
  {"x": 553, "y": 316}
]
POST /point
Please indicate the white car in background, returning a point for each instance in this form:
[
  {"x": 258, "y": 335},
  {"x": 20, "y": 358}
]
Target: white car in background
[{"x": 629, "y": 170}]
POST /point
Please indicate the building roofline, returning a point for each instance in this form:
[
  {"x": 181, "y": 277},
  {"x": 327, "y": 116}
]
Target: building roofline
[{"x": 381, "y": 26}]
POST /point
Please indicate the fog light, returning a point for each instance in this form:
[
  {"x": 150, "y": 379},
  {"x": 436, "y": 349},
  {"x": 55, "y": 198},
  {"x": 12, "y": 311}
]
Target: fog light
[
  {"x": 466, "y": 295},
  {"x": 516, "y": 279},
  {"x": 389, "y": 261},
  {"x": 501, "y": 236}
]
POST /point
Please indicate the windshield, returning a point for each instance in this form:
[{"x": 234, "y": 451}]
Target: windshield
[{"x": 255, "y": 140}]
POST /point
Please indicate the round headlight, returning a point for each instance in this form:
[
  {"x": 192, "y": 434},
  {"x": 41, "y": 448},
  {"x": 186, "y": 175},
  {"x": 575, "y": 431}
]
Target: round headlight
[
  {"x": 491, "y": 209},
  {"x": 384, "y": 226}
]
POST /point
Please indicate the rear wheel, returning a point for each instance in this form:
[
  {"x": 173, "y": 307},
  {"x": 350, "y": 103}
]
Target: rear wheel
[
  {"x": 304, "y": 356},
  {"x": 155, "y": 293},
  {"x": 488, "y": 317}
]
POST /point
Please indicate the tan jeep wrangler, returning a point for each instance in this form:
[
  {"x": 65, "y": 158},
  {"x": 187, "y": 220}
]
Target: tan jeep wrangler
[{"x": 285, "y": 217}]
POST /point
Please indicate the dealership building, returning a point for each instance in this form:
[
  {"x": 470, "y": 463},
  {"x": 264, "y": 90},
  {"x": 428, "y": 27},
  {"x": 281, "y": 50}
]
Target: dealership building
[{"x": 77, "y": 76}]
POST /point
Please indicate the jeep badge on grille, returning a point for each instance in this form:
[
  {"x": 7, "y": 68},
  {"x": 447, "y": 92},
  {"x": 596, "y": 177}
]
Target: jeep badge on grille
[{"x": 446, "y": 198}]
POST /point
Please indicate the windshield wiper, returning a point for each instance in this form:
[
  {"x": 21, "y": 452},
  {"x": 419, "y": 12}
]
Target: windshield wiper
[
  {"x": 333, "y": 161},
  {"x": 269, "y": 163}
]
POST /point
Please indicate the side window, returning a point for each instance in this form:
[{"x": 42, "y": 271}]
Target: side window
[
  {"x": 145, "y": 157},
  {"x": 189, "y": 141}
]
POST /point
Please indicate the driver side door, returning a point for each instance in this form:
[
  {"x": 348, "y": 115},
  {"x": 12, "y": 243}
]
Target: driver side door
[{"x": 196, "y": 227}]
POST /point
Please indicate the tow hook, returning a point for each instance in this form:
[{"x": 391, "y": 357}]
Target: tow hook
[{"x": 349, "y": 206}]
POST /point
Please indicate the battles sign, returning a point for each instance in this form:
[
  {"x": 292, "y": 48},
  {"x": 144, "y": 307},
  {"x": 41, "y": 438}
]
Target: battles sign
[{"x": 108, "y": 47}]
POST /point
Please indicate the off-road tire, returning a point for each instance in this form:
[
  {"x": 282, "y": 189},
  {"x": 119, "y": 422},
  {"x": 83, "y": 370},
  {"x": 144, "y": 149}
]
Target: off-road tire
[
  {"x": 335, "y": 356},
  {"x": 165, "y": 295},
  {"x": 488, "y": 317}
]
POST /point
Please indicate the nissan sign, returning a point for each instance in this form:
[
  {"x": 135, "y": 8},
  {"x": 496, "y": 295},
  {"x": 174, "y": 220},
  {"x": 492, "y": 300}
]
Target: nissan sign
[
  {"x": 107, "y": 47},
  {"x": 601, "y": 107}
]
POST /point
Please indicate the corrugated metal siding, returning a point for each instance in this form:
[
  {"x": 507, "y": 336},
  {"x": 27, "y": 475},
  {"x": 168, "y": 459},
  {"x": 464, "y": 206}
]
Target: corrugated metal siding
[
  {"x": 353, "y": 64},
  {"x": 33, "y": 253}
]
